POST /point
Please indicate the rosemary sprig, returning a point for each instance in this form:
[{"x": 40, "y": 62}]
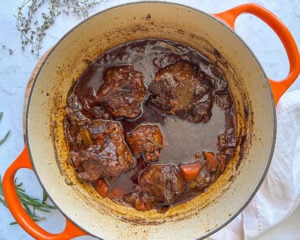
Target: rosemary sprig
[
  {"x": 2, "y": 140},
  {"x": 29, "y": 203},
  {"x": 33, "y": 18}
]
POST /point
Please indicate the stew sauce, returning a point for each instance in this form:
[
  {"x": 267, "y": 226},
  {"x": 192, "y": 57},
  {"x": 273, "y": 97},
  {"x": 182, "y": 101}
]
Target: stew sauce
[{"x": 150, "y": 124}]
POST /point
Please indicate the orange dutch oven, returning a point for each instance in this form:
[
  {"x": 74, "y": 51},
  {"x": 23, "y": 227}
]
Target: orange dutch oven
[{"x": 255, "y": 98}]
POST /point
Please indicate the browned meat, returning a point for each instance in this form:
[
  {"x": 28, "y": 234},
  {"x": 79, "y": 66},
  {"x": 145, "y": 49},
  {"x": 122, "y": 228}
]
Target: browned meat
[
  {"x": 114, "y": 124},
  {"x": 73, "y": 121},
  {"x": 140, "y": 201},
  {"x": 173, "y": 87},
  {"x": 201, "y": 111},
  {"x": 179, "y": 89},
  {"x": 223, "y": 99},
  {"x": 104, "y": 153},
  {"x": 122, "y": 92},
  {"x": 227, "y": 139},
  {"x": 220, "y": 83},
  {"x": 163, "y": 182},
  {"x": 203, "y": 180},
  {"x": 146, "y": 139}
]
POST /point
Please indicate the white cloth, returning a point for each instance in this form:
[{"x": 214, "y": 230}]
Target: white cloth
[{"x": 279, "y": 194}]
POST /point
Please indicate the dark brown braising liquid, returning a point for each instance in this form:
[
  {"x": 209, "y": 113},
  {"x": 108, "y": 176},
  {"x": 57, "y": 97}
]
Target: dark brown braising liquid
[{"x": 184, "y": 140}]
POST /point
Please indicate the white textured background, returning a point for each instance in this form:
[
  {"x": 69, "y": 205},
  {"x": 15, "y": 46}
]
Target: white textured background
[{"x": 15, "y": 70}]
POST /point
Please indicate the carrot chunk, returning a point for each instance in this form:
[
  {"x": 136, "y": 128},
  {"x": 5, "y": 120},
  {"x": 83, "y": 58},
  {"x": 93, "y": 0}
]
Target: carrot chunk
[
  {"x": 86, "y": 137},
  {"x": 116, "y": 193},
  {"x": 101, "y": 187},
  {"x": 211, "y": 161},
  {"x": 190, "y": 170},
  {"x": 142, "y": 205}
]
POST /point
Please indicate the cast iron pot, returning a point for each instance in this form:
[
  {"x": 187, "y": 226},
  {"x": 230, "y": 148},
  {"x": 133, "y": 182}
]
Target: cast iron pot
[{"x": 255, "y": 97}]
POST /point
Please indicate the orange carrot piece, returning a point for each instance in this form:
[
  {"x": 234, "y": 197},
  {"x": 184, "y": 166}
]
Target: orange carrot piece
[
  {"x": 190, "y": 170},
  {"x": 86, "y": 137},
  {"x": 142, "y": 205},
  {"x": 116, "y": 193},
  {"x": 211, "y": 161},
  {"x": 101, "y": 187}
]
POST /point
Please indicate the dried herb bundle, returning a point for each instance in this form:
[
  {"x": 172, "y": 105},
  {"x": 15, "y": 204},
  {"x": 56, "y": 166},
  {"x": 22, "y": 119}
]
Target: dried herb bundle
[{"x": 34, "y": 17}]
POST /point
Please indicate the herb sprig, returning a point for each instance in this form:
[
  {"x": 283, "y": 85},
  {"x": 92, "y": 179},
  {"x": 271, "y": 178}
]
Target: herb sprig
[
  {"x": 3, "y": 139},
  {"x": 33, "y": 18},
  {"x": 30, "y": 204}
]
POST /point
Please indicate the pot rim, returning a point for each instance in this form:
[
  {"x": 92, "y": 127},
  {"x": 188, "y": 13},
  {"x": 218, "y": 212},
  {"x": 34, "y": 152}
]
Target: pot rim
[{"x": 215, "y": 19}]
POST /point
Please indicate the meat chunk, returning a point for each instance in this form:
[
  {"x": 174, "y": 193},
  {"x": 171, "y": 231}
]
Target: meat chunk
[
  {"x": 122, "y": 92},
  {"x": 173, "y": 87},
  {"x": 203, "y": 180},
  {"x": 201, "y": 111},
  {"x": 140, "y": 201},
  {"x": 178, "y": 89},
  {"x": 146, "y": 139},
  {"x": 227, "y": 139},
  {"x": 223, "y": 99},
  {"x": 74, "y": 120},
  {"x": 104, "y": 153},
  {"x": 163, "y": 182}
]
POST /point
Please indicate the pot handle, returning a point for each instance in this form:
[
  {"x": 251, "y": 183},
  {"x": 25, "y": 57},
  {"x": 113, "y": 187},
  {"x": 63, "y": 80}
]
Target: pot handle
[
  {"x": 15, "y": 206},
  {"x": 278, "y": 87}
]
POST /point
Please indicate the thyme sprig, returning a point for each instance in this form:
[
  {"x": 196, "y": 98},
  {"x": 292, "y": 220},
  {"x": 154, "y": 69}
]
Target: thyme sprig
[
  {"x": 3, "y": 139},
  {"x": 33, "y": 18},
  {"x": 30, "y": 204}
]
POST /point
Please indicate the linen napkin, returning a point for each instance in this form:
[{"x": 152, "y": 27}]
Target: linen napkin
[{"x": 279, "y": 194}]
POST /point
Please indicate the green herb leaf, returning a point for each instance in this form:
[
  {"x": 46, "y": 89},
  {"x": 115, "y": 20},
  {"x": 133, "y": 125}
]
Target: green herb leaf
[
  {"x": 2, "y": 140},
  {"x": 30, "y": 204},
  {"x": 45, "y": 196}
]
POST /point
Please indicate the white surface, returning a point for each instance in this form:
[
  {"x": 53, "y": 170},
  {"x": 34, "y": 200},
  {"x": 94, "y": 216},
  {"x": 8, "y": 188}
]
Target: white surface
[
  {"x": 15, "y": 71},
  {"x": 279, "y": 194}
]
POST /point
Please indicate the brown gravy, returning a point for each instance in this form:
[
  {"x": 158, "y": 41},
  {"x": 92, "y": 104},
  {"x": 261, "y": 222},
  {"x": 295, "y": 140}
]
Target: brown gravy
[{"x": 207, "y": 140}]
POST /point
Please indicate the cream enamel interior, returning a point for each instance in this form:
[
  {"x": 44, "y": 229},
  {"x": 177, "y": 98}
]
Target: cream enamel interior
[{"x": 68, "y": 59}]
